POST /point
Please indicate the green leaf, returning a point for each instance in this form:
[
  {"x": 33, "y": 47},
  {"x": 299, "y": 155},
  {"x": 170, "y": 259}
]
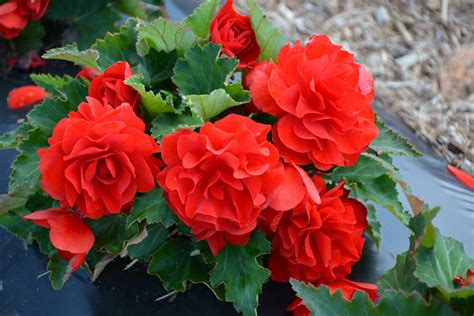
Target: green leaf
[
  {"x": 118, "y": 46},
  {"x": 176, "y": 262},
  {"x": 24, "y": 172},
  {"x": 46, "y": 115},
  {"x": 156, "y": 236},
  {"x": 71, "y": 53},
  {"x": 242, "y": 274},
  {"x": 322, "y": 303},
  {"x": 25, "y": 169},
  {"x": 369, "y": 180},
  {"x": 237, "y": 92},
  {"x": 423, "y": 231},
  {"x": 131, "y": 7},
  {"x": 60, "y": 271},
  {"x": 11, "y": 203},
  {"x": 401, "y": 277},
  {"x": 112, "y": 233},
  {"x": 12, "y": 139},
  {"x": 164, "y": 35},
  {"x": 210, "y": 105},
  {"x": 202, "y": 70},
  {"x": 14, "y": 223},
  {"x": 152, "y": 102},
  {"x": 43, "y": 240},
  {"x": 390, "y": 142},
  {"x": 169, "y": 123},
  {"x": 30, "y": 37},
  {"x": 200, "y": 20},
  {"x": 87, "y": 20},
  {"x": 158, "y": 66},
  {"x": 51, "y": 83},
  {"x": 374, "y": 228},
  {"x": 151, "y": 206},
  {"x": 269, "y": 38},
  {"x": 96, "y": 262},
  {"x": 437, "y": 266}
]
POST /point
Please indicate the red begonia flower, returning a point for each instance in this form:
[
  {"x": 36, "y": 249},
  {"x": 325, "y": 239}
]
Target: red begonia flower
[
  {"x": 32, "y": 9},
  {"x": 99, "y": 158},
  {"x": 462, "y": 176},
  {"x": 67, "y": 233},
  {"x": 110, "y": 86},
  {"x": 11, "y": 21},
  {"x": 88, "y": 73},
  {"x": 322, "y": 101},
  {"x": 347, "y": 287},
  {"x": 25, "y": 96},
  {"x": 319, "y": 242},
  {"x": 295, "y": 187},
  {"x": 234, "y": 32},
  {"x": 218, "y": 180}
]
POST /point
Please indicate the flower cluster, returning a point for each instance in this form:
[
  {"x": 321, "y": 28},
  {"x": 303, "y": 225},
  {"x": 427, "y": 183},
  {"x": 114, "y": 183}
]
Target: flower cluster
[
  {"x": 225, "y": 176},
  {"x": 98, "y": 159},
  {"x": 15, "y": 14},
  {"x": 322, "y": 101}
]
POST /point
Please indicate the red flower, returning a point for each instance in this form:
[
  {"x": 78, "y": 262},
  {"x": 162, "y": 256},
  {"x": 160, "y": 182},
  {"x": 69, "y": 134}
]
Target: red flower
[
  {"x": 218, "y": 180},
  {"x": 111, "y": 87},
  {"x": 319, "y": 242},
  {"x": 462, "y": 176},
  {"x": 32, "y": 9},
  {"x": 347, "y": 288},
  {"x": 99, "y": 158},
  {"x": 295, "y": 187},
  {"x": 68, "y": 233},
  {"x": 88, "y": 73},
  {"x": 234, "y": 32},
  {"x": 25, "y": 96},
  {"x": 11, "y": 21},
  {"x": 322, "y": 101}
]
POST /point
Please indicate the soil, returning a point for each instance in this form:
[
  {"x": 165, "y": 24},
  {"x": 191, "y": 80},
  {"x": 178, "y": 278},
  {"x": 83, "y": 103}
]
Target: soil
[{"x": 421, "y": 54}]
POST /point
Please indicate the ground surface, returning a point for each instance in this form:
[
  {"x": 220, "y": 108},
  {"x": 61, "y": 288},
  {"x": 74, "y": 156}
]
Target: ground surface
[{"x": 421, "y": 55}]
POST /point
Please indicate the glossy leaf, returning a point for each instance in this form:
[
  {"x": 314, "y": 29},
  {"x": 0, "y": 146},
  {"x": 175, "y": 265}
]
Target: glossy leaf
[
  {"x": 390, "y": 142},
  {"x": 176, "y": 262},
  {"x": 153, "y": 103},
  {"x": 369, "y": 180},
  {"x": 59, "y": 271},
  {"x": 438, "y": 265},
  {"x": 52, "y": 83},
  {"x": 210, "y": 105},
  {"x": 157, "y": 66},
  {"x": 12, "y": 139},
  {"x": 118, "y": 46},
  {"x": 25, "y": 169},
  {"x": 156, "y": 236},
  {"x": 401, "y": 277},
  {"x": 202, "y": 70},
  {"x": 164, "y": 35},
  {"x": 71, "y": 53},
  {"x": 374, "y": 228},
  {"x": 46, "y": 115},
  {"x": 239, "y": 269},
  {"x": 269, "y": 38},
  {"x": 200, "y": 20},
  {"x": 153, "y": 208},
  {"x": 169, "y": 123},
  {"x": 111, "y": 232},
  {"x": 393, "y": 303}
]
